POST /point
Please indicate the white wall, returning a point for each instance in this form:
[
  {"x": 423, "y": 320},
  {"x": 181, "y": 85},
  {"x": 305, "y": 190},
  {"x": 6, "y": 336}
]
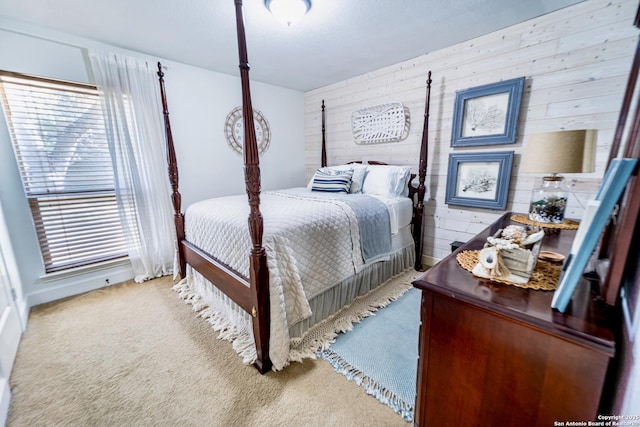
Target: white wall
[
  {"x": 199, "y": 101},
  {"x": 576, "y": 63}
]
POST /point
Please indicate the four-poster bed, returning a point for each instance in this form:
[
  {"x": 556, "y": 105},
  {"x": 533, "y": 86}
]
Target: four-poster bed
[{"x": 257, "y": 292}]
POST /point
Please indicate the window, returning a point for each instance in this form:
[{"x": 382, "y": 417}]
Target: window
[{"x": 60, "y": 144}]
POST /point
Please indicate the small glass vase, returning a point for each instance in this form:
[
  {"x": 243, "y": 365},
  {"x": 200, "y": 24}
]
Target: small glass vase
[{"x": 549, "y": 201}]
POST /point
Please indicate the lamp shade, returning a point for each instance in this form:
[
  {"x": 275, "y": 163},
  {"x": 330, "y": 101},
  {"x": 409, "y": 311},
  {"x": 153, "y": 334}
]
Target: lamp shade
[
  {"x": 289, "y": 12},
  {"x": 569, "y": 151}
]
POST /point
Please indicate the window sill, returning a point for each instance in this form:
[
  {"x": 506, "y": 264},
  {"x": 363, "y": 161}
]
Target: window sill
[{"x": 64, "y": 274}]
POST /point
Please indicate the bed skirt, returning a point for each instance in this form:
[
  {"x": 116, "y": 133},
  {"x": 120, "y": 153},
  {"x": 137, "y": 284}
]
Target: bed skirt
[{"x": 310, "y": 335}]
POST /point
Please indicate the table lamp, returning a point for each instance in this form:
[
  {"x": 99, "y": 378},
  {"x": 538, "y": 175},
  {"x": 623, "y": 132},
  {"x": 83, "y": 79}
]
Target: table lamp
[{"x": 570, "y": 151}]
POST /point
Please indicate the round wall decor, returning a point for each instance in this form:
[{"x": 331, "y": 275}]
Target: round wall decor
[{"x": 234, "y": 130}]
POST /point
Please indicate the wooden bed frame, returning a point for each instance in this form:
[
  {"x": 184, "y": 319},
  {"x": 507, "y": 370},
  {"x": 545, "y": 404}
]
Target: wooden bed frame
[{"x": 252, "y": 294}]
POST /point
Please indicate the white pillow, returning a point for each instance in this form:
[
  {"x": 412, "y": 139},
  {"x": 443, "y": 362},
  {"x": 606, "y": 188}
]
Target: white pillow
[
  {"x": 359, "y": 172},
  {"x": 357, "y": 180},
  {"x": 387, "y": 180}
]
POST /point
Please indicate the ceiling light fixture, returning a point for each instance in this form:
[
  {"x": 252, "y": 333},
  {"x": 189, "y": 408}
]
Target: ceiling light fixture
[{"x": 289, "y": 12}]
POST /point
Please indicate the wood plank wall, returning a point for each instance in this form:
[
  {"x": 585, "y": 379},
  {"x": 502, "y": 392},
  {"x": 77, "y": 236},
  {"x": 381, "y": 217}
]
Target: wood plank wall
[{"x": 576, "y": 63}]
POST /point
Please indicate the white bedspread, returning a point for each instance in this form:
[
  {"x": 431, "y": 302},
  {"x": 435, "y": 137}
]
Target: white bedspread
[{"x": 317, "y": 243}]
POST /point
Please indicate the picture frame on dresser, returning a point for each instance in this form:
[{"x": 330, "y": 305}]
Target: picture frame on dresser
[
  {"x": 589, "y": 233},
  {"x": 488, "y": 114},
  {"x": 479, "y": 180}
]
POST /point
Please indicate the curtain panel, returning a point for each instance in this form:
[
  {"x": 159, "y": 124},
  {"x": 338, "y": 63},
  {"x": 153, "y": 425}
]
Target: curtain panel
[{"x": 135, "y": 131}]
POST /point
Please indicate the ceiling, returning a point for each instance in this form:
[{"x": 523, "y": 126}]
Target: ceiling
[{"x": 336, "y": 40}]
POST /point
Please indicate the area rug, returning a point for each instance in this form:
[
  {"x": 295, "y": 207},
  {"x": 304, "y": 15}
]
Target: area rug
[{"x": 381, "y": 353}]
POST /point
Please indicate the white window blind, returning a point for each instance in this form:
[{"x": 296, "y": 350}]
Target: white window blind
[{"x": 60, "y": 144}]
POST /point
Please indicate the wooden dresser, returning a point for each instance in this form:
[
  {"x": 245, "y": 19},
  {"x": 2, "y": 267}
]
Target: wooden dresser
[{"x": 495, "y": 354}]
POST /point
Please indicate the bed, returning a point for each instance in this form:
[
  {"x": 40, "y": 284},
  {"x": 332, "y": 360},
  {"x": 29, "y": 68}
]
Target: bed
[{"x": 303, "y": 253}]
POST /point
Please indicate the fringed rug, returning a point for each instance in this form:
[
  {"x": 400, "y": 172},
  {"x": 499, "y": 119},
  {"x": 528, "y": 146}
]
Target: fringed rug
[{"x": 381, "y": 353}]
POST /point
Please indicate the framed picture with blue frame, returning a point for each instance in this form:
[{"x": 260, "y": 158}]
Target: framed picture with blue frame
[
  {"x": 479, "y": 180},
  {"x": 487, "y": 115}
]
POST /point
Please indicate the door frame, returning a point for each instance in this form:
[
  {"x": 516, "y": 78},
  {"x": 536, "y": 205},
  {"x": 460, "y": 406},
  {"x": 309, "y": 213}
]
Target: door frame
[{"x": 11, "y": 325}]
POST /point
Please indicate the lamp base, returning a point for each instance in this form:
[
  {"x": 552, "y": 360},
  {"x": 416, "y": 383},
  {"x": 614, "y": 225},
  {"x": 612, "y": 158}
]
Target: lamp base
[{"x": 549, "y": 201}]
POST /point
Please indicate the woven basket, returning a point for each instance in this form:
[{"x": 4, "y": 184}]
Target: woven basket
[{"x": 380, "y": 123}]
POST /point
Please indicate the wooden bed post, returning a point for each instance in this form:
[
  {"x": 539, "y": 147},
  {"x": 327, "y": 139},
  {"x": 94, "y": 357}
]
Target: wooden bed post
[
  {"x": 258, "y": 272},
  {"x": 323, "y": 159},
  {"x": 176, "y": 198},
  {"x": 422, "y": 172}
]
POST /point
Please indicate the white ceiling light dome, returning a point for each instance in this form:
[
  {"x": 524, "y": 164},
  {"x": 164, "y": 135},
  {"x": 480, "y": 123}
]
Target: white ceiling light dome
[{"x": 289, "y": 12}]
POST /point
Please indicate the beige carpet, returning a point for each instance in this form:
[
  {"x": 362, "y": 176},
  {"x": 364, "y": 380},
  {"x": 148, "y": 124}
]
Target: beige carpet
[{"x": 135, "y": 354}]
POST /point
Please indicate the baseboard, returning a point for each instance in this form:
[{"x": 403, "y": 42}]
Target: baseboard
[
  {"x": 52, "y": 290},
  {"x": 429, "y": 261},
  {"x": 23, "y": 312},
  {"x": 5, "y": 400}
]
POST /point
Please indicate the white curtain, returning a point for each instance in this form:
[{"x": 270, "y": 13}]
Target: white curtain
[{"x": 135, "y": 130}]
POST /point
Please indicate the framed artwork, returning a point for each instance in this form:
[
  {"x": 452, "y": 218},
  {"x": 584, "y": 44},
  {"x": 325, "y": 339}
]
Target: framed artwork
[
  {"x": 487, "y": 115},
  {"x": 596, "y": 217},
  {"x": 479, "y": 180}
]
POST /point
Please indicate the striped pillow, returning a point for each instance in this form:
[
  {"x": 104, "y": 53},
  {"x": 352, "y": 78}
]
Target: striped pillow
[{"x": 332, "y": 181}]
